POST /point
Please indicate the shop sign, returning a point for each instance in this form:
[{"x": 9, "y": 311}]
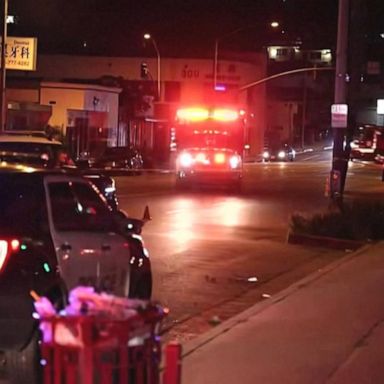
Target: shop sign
[{"x": 21, "y": 53}]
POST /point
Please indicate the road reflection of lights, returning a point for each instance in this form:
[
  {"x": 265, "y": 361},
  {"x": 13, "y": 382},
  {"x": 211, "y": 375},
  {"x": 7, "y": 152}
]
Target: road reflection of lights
[
  {"x": 356, "y": 164},
  {"x": 188, "y": 224},
  {"x": 182, "y": 238},
  {"x": 229, "y": 212},
  {"x": 184, "y": 223}
]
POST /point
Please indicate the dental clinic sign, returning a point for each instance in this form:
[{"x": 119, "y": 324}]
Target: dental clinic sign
[{"x": 21, "y": 53}]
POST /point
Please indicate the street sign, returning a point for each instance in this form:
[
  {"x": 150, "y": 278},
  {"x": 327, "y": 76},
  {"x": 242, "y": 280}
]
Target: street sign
[
  {"x": 339, "y": 113},
  {"x": 20, "y": 53}
]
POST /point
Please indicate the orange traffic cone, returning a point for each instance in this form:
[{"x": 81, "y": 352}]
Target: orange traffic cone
[{"x": 147, "y": 215}]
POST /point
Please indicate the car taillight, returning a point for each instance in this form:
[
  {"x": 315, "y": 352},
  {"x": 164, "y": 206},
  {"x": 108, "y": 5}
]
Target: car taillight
[{"x": 6, "y": 248}]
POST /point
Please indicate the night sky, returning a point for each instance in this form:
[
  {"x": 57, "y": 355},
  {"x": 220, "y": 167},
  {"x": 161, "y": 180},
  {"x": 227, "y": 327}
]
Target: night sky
[{"x": 180, "y": 27}]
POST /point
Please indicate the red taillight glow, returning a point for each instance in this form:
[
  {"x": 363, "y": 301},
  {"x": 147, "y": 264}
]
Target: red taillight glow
[
  {"x": 3, "y": 252},
  {"x": 15, "y": 245},
  {"x": 6, "y": 247},
  {"x": 219, "y": 158}
]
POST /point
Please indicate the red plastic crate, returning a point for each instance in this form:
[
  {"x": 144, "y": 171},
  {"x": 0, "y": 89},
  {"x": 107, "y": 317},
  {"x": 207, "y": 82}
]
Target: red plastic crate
[{"x": 93, "y": 350}]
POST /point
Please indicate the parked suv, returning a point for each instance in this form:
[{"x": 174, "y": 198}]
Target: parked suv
[
  {"x": 37, "y": 150},
  {"x": 119, "y": 158},
  {"x": 58, "y": 232}
]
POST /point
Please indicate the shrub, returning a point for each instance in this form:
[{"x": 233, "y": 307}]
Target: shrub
[{"x": 354, "y": 221}]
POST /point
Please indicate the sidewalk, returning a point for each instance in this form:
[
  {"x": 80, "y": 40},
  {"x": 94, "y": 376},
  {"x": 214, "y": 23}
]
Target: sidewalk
[{"x": 326, "y": 328}]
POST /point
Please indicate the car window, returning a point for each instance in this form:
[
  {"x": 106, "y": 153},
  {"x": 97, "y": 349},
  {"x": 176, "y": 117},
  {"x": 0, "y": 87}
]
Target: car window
[
  {"x": 37, "y": 154},
  {"x": 22, "y": 204},
  {"x": 78, "y": 207},
  {"x": 33, "y": 148}
]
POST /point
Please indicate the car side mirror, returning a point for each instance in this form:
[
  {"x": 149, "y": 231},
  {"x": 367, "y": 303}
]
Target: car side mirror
[{"x": 128, "y": 225}]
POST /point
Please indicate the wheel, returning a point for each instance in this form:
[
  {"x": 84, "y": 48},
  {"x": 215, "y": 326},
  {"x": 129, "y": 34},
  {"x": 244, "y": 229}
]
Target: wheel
[{"x": 23, "y": 367}]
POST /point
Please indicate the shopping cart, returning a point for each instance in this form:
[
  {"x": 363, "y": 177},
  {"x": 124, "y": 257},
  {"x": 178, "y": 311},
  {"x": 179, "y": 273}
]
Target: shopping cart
[{"x": 90, "y": 349}]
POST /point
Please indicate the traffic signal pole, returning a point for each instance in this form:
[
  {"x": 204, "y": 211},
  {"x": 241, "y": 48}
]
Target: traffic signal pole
[{"x": 339, "y": 159}]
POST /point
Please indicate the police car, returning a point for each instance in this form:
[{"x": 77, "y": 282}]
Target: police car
[{"x": 57, "y": 232}]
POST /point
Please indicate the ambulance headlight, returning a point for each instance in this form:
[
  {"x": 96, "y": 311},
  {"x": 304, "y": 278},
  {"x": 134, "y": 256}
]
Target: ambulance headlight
[
  {"x": 185, "y": 159},
  {"x": 234, "y": 162}
]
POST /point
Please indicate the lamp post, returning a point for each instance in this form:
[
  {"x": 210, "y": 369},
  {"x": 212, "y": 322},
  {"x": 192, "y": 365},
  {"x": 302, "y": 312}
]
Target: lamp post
[
  {"x": 273, "y": 24},
  {"x": 148, "y": 36}
]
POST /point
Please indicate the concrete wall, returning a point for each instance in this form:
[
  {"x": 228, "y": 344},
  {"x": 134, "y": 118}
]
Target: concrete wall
[
  {"x": 22, "y": 95},
  {"x": 64, "y": 97}
]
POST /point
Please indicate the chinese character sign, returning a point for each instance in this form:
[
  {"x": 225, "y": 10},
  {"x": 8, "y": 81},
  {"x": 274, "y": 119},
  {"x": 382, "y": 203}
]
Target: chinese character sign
[{"x": 20, "y": 53}]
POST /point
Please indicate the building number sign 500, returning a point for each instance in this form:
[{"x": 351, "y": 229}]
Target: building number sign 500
[{"x": 188, "y": 73}]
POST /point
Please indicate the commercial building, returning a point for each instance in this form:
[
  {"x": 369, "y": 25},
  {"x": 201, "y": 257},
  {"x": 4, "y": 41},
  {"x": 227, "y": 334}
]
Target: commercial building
[{"x": 116, "y": 99}]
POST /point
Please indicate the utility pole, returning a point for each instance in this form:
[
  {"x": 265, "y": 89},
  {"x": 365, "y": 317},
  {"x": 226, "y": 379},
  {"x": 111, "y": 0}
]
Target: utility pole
[
  {"x": 304, "y": 111},
  {"x": 3, "y": 69},
  {"x": 358, "y": 17},
  {"x": 339, "y": 160}
]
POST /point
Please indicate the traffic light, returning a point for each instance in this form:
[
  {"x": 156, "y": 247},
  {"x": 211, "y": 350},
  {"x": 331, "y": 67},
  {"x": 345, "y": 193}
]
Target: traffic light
[{"x": 143, "y": 70}]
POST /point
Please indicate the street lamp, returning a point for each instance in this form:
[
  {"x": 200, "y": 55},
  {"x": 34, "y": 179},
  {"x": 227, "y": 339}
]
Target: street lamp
[
  {"x": 147, "y": 36},
  {"x": 273, "y": 24}
]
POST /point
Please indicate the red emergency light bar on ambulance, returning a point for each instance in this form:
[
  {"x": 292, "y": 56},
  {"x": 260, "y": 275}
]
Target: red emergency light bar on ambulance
[{"x": 209, "y": 146}]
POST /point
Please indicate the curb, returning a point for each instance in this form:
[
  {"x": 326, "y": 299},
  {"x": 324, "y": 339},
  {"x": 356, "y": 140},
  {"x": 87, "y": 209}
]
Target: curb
[
  {"x": 194, "y": 345},
  {"x": 323, "y": 241}
]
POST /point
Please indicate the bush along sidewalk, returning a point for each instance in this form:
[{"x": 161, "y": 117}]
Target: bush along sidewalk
[{"x": 358, "y": 221}]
